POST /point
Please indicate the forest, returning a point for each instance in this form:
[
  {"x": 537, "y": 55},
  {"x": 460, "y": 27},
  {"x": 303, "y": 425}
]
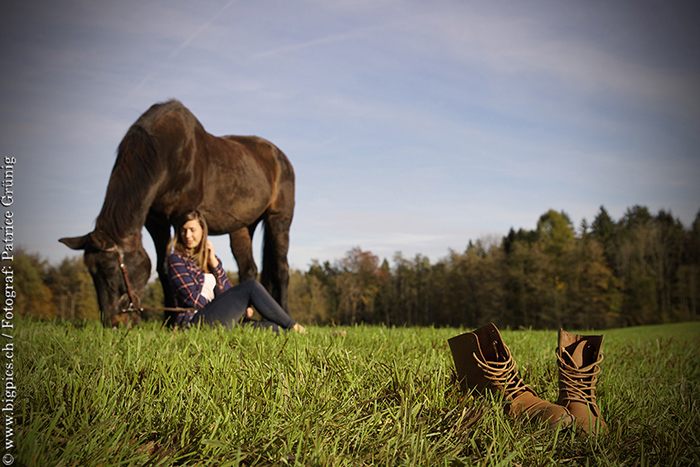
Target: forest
[{"x": 640, "y": 269}]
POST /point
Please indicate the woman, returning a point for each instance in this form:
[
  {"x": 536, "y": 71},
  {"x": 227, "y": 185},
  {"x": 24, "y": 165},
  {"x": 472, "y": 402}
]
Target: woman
[{"x": 199, "y": 281}]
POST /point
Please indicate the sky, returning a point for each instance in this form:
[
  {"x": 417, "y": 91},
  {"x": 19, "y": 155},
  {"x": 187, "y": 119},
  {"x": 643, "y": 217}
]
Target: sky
[{"x": 413, "y": 127}]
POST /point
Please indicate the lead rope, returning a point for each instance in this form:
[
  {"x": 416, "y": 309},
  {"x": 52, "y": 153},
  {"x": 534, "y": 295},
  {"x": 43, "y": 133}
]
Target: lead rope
[
  {"x": 133, "y": 298},
  {"x": 132, "y": 301}
]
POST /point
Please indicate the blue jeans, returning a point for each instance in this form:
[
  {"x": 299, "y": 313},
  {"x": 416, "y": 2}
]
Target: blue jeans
[{"x": 230, "y": 307}]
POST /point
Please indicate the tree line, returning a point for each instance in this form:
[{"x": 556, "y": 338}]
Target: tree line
[{"x": 640, "y": 269}]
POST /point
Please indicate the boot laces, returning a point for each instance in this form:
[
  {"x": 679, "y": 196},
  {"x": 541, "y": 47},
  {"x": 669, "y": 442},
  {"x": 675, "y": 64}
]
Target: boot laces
[
  {"x": 503, "y": 375},
  {"x": 579, "y": 383}
]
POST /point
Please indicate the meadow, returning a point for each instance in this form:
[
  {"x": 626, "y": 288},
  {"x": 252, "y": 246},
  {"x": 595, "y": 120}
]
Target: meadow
[{"x": 337, "y": 396}]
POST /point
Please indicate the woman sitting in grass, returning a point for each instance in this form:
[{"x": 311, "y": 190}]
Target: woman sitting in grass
[{"x": 198, "y": 280}]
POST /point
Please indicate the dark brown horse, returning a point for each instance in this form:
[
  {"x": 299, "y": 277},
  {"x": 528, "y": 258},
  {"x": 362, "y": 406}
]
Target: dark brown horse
[{"x": 168, "y": 164}]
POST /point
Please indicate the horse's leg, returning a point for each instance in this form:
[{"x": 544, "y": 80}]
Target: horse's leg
[
  {"x": 275, "y": 272},
  {"x": 242, "y": 249},
  {"x": 159, "y": 228}
]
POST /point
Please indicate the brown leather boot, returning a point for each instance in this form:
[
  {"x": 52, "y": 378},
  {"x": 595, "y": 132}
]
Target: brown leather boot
[
  {"x": 484, "y": 362},
  {"x": 578, "y": 358}
]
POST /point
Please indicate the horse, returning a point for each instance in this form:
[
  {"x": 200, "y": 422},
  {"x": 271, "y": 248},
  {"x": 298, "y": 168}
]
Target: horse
[{"x": 167, "y": 164}]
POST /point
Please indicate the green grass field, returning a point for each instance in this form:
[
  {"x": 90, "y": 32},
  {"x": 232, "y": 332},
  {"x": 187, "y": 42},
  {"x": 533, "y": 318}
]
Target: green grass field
[{"x": 90, "y": 396}]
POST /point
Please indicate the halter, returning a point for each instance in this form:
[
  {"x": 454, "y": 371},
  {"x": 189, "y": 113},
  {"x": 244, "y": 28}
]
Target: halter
[{"x": 133, "y": 298}]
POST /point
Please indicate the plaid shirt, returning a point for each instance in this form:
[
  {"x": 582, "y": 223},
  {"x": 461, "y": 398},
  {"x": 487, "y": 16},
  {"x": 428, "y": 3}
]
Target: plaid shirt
[{"x": 186, "y": 280}]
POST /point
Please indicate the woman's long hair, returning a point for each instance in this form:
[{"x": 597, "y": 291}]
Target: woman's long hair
[{"x": 200, "y": 254}]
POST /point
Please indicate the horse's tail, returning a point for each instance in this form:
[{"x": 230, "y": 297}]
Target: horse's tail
[
  {"x": 275, "y": 268},
  {"x": 133, "y": 176},
  {"x": 270, "y": 265}
]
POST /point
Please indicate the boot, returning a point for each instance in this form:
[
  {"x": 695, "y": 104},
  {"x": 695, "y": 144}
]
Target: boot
[
  {"x": 578, "y": 358},
  {"x": 483, "y": 362}
]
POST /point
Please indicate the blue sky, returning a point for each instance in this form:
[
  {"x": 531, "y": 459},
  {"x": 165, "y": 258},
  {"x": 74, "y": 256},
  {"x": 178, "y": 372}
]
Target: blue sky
[{"x": 413, "y": 126}]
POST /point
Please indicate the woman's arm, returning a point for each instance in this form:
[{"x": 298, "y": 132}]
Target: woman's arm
[
  {"x": 187, "y": 289},
  {"x": 217, "y": 268},
  {"x": 222, "y": 280}
]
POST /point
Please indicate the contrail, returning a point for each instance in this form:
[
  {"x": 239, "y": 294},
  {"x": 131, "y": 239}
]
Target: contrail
[
  {"x": 201, "y": 29},
  {"x": 181, "y": 47},
  {"x": 328, "y": 39}
]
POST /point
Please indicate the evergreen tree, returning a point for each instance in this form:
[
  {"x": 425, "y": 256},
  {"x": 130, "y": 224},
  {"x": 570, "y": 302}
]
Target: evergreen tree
[{"x": 603, "y": 230}]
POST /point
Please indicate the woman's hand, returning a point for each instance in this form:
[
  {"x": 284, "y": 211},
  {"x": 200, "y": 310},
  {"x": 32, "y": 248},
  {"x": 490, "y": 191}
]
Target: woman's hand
[{"x": 211, "y": 255}]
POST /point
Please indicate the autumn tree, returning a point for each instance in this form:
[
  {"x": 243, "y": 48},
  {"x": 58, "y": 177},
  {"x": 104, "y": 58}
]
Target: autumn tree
[
  {"x": 358, "y": 285},
  {"x": 73, "y": 290},
  {"x": 307, "y": 299},
  {"x": 593, "y": 296},
  {"x": 687, "y": 290},
  {"x": 34, "y": 297}
]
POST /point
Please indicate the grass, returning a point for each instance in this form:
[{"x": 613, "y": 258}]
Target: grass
[{"x": 90, "y": 396}]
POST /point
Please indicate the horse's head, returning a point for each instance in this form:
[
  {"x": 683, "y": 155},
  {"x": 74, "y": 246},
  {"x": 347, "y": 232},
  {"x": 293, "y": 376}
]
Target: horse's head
[{"x": 102, "y": 258}]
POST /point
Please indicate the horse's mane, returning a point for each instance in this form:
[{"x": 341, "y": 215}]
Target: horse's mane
[{"x": 134, "y": 174}]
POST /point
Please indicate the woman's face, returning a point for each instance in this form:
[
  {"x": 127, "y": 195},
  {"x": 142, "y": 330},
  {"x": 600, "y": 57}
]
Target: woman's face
[{"x": 191, "y": 234}]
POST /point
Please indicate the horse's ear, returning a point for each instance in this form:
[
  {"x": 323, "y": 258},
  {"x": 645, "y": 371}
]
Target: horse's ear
[
  {"x": 94, "y": 239},
  {"x": 76, "y": 243}
]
